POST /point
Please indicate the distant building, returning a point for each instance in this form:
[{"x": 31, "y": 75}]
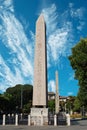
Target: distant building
[
  {"x": 51, "y": 96},
  {"x": 63, "y": 98}
]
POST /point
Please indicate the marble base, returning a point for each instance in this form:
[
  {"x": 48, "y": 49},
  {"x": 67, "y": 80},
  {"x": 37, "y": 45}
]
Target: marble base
[{"x": 39, "y": 116}]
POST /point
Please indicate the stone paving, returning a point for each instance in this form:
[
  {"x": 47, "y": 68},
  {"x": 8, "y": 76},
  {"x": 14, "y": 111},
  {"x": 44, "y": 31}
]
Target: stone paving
[{"x": 77, "y": 125}]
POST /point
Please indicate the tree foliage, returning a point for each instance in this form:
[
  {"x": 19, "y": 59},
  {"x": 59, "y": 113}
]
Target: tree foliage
[
  {"x": 78, "y": 61},
  {"x": 77, "y": 105},
  {"x": 70, "y": 103},
  {"x": 11, "y": 99},
  {"x": 4, "y": 104},
  {"x": 51, "y": 105}
]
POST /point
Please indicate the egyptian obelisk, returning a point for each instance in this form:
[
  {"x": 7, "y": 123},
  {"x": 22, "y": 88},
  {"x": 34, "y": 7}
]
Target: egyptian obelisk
[
  {"x": 40, "y": 84},
  {"x": 39, "y": 108},
  {"x": 57, "y": 94}
]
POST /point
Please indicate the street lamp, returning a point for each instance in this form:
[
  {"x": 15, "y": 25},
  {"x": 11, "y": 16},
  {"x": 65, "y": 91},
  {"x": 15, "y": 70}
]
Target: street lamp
[{"x": 21, "y": 97}]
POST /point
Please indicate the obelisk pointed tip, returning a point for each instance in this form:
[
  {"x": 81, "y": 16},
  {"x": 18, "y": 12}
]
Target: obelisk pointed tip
[{"x": 41, "y": 18}]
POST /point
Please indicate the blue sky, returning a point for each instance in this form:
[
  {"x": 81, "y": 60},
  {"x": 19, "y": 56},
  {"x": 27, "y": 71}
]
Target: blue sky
[{"x": 66, "y": 23}]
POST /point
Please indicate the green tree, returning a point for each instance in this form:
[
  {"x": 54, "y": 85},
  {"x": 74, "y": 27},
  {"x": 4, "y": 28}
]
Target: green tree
[
  {"x": 70, "y": 103},
  {"x": 17, "y": 94},
  {"x": 78, "y": 61},
  {"x": 27, "y": 107},
  {"x": 51, "y": 105},
  {"x": 62, "y": 106},
  {"x": 77, "y": 105},
  {"x": 4, "y": 104}
]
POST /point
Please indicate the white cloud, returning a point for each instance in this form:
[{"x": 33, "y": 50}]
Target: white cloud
[
  {"x": 70, "y": 5},
  {"x": 51, "y": 86},
  {"x": 6, "y": 5},
  {"x": 77, "y": 14},
  {"x": 81, "y": 25},
  {"x": 58, "y": 38},
  {"x": 70, "y": 93},
  {"x": 71, "y": 76},
  {"x": 57, "y": 42},
  {"x": 50, "y": 18},
  {"x": 18, "y": 65},
  {"x": 8, "y": 78}
]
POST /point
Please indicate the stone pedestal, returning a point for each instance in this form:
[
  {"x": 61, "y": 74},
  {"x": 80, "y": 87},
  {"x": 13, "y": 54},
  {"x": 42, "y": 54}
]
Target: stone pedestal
[{"x": 39, "y": 116}]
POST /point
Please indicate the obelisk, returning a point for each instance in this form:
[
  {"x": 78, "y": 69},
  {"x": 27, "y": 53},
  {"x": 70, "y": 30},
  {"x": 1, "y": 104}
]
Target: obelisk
[
  {"x": 40, "y": 76},
  {"x": 57, "y": 94},
  {"x": 39, "y": 111}
]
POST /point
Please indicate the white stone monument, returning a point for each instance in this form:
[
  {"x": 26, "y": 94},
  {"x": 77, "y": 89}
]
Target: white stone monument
[{"x": 39, "y": 112}]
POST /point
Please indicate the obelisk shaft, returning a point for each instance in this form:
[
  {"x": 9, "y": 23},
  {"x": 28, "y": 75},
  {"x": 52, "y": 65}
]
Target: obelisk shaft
[
  {"x": 57, "y": 95},
  {"x": 40, "y": 84}
]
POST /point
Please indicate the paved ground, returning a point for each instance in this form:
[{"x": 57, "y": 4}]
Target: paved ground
[{"x": 77, "y": 125}]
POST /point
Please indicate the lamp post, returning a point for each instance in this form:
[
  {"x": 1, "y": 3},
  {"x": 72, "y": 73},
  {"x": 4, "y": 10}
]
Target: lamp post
[
  {"x": 83, "y": 114},
  {"x": 21, "y": 97}
]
